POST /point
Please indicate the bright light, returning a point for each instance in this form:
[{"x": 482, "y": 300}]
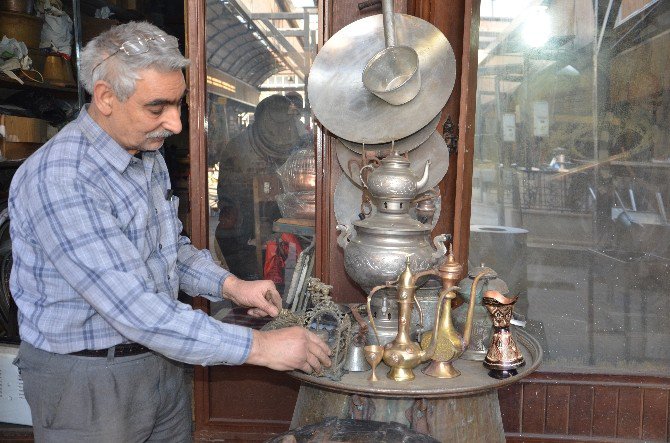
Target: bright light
[
  {"x": 537, "y": 28},
  {"x": 302, "y": 3}
]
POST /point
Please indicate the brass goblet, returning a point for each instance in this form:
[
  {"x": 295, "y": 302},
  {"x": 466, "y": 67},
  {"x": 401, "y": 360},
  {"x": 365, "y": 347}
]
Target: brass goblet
[{"x": 373, "y": 355}]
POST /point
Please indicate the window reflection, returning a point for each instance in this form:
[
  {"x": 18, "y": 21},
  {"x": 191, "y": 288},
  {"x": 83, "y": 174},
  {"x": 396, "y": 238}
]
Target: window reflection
[
  {"x": 259, "y": 141},
  {"x": 572, "y": 162}
]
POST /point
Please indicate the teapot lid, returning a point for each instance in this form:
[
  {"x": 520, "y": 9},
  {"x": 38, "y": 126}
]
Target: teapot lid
[{"x": 395, "y": 160}]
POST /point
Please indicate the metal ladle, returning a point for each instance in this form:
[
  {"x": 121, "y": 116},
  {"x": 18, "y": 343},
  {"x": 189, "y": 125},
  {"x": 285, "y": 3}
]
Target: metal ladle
[{"x": 393, "y": 74}]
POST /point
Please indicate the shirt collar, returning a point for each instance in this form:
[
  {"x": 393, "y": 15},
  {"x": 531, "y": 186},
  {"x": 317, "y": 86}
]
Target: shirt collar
[{"x": 101, "y": 141}]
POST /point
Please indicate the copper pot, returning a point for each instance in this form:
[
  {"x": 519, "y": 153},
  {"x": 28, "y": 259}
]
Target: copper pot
[
  {"x": 298, "y": 173},
  {"x": 21, "y": 6},
  {"x": 297, "y": 204},
  {"x": 22, "y": 27},
  {"x": 58, "y": 71}
]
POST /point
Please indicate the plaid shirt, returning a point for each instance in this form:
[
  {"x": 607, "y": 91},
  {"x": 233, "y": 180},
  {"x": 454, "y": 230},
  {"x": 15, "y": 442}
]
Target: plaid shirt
[{"x": 99, "y": 259}]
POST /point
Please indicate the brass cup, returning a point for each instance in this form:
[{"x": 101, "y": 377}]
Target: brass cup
[{"x": 373, "y": 355}]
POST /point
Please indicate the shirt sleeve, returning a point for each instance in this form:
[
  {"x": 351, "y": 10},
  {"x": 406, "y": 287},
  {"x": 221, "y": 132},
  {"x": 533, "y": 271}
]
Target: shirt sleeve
[
  {"x": 198, "y": 274},
  {"x": 75, "y": 226}
]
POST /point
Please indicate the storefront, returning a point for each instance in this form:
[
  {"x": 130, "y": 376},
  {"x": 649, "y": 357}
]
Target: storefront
[{"x": 554, "y": 175}]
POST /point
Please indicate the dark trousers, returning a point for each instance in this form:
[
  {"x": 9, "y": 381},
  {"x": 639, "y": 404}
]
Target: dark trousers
[{"x": 139, "y": 398}]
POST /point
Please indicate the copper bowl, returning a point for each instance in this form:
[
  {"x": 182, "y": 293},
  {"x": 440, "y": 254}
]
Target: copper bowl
[
  {"x": 21, "y": 6},
  {"x": 302, "y": 181}
]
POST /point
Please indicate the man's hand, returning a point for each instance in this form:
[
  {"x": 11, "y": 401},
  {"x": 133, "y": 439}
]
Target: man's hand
[
  {"x": 259, "y": 295},
  {"x": 289, "y": 348}
]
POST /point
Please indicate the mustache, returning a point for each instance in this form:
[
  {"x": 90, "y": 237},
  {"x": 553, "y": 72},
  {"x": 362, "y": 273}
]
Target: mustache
[{"x": 160, "y": 133}]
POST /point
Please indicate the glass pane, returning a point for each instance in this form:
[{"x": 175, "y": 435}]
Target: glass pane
[
  {"x": 260, "y": 155},
  {"x": 571, "y": 179}
]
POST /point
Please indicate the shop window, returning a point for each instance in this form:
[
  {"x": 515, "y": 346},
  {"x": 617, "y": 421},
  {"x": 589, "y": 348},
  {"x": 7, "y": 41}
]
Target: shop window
[{"x": 572, "y": 169}]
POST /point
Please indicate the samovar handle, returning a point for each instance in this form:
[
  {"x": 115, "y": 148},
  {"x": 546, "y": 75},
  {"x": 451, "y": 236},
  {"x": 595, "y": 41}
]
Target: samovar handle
[
  {"x": 343, "y": 237},
  {"x": 372, "y": 320},
  {"x": 439, "y": 242}
]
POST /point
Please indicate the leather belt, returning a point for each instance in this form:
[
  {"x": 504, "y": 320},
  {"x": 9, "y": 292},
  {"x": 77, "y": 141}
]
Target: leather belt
[{"x": 122, "y": 350}]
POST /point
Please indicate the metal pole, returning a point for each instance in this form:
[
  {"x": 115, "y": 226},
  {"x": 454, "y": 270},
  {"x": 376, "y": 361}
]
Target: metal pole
[
  {"x": 499, "y": 165},
  {"x": 76, "y": 19}
]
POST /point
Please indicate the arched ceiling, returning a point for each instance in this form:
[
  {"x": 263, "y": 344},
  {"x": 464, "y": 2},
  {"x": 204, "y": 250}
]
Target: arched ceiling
[{"x": 234, "y": 45}]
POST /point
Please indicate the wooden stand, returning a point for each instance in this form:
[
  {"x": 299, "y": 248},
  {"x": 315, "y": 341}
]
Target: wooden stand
[{"x": 464, "y": 408}]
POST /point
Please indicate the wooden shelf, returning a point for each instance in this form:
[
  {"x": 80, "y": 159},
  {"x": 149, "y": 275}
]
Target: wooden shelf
[
  {"x": 69, "y": 92},
  {"x": 297, "y": 226}
]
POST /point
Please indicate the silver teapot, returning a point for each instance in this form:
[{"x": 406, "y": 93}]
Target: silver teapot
[{"x": 393, "y": 184}]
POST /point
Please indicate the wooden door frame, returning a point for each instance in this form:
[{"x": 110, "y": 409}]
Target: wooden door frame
[
  {"x": 448, "y": 15},
  {"x": 196, "y": 80}
]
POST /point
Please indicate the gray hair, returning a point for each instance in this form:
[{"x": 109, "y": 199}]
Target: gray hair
[{"x": 101, "y": 58}]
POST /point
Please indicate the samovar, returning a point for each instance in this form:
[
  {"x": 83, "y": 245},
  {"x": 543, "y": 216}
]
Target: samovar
[{"x": 376, "y": 249}]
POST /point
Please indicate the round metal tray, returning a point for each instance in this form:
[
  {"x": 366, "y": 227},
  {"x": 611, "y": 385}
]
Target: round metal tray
[
  {"x": 401, "y": 146},
  {"x": 474, "y": 377},
  {"x": 345, "y": 107}
]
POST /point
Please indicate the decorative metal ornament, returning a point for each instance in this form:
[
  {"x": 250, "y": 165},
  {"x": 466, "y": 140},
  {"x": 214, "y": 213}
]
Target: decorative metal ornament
[
  {"x": 326, "y": 319},
  {"x": 331, "y": 323}
]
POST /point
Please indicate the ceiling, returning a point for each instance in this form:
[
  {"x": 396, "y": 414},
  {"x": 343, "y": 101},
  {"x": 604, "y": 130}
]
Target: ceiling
[{"x": 235, "y": 46}]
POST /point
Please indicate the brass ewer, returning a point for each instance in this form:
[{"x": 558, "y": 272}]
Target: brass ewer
[
  {"x": 448, "y": 343},
  {"x": 402, "y": 354}
]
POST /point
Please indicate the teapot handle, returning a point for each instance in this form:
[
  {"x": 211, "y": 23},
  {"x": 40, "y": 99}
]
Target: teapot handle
[
  {"x": 360, "y": 174},
  {"x": 440, "y": 248}
]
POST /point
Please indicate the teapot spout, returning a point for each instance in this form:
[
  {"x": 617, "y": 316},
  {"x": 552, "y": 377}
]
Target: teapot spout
[{"x": 424, "y": 179}]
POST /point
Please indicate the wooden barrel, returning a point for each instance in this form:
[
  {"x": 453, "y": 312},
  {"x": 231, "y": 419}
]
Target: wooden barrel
[{"x": 471, "y": 418}]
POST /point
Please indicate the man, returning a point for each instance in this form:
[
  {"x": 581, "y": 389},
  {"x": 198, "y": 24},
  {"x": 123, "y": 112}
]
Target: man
[{"x": 99, "y": 259}]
